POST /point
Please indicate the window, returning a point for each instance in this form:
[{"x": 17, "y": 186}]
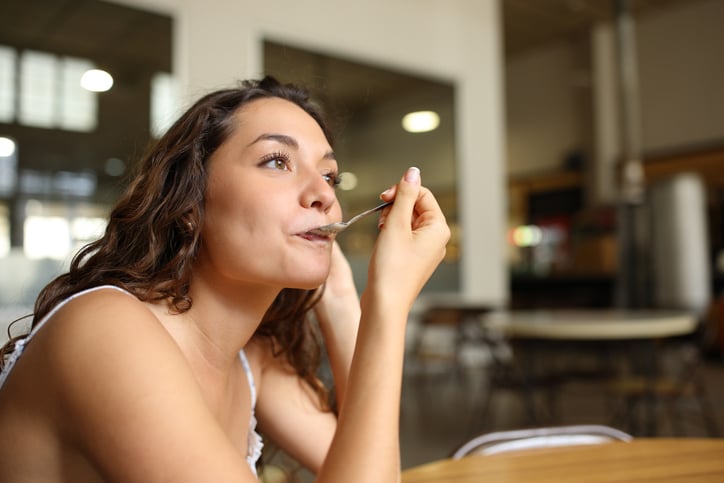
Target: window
[
  {"x": 58, "y": 230},
  {"x": 4, "y": 230},
  {"x": 164, "y": 103},
  {"x": 7, "y": 84},
  {"x": 78, "y": 107},
  {"x": 48, "y": 92},
  {"x": 38, "y": 86},
  {"x": 8, "y": 165}
]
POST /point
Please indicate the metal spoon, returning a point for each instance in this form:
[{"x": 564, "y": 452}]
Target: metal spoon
[{"x": 334, "y": 228}]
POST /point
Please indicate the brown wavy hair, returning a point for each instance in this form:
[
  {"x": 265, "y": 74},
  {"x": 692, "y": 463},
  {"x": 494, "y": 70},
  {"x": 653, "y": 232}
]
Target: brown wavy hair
[{"x": 153, "y": 233}]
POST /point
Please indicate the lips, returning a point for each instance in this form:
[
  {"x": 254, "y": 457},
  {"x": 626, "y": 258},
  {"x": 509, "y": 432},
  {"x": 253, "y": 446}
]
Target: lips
[{"x": 314, "y": 235}]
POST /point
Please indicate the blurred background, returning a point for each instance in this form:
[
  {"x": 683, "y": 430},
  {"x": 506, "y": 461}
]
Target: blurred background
[
  {"x": 526, "y": 154},
  {"x": 576, "y": 146}
]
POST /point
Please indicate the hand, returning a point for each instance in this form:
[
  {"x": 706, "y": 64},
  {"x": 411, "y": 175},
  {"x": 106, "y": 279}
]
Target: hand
[
  {"x": 340, "y": 301},
  {"x": 411, "y": 244}
]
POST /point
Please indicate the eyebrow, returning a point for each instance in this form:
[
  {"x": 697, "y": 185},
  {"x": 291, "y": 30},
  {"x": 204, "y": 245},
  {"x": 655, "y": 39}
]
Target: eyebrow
[{"x": 287, "y": 141}]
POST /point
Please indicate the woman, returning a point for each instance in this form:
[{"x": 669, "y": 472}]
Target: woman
[{"x": 155, "y": 355}]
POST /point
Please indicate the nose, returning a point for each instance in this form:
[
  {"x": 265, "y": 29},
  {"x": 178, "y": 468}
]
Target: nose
[{"x": 317, "y": 193}]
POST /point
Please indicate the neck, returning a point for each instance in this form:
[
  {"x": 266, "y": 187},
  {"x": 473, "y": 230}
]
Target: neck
[{"x": 220, "y": 323}]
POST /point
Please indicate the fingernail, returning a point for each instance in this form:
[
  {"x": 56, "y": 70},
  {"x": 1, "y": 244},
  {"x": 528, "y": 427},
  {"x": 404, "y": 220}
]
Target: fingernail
[
  {"x": 385, "y": 192},
  {"x": 412, "y": 175}
]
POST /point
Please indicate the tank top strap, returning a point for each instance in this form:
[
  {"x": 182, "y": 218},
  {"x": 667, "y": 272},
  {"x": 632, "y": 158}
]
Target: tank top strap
[
  {"x": 249, "y": 376},
  {"x": 255, "y": 443}
]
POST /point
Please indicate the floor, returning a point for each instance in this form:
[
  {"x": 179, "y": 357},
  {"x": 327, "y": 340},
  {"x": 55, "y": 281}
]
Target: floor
[{"x": 442, "y": 404}]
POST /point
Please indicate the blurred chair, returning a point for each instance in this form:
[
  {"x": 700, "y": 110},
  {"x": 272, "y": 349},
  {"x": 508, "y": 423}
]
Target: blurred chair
[
  {"x": 446, "y": 332},
  {"x": 537, "y": 390},
  {"x": 534, "y": 372},
  {"x": 520, "y": 439},
  {"x": 670, "y": 391}
]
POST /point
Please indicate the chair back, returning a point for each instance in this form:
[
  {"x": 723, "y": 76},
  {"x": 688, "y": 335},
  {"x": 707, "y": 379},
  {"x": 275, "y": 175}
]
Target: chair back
[{"x": 514, "y": 440}]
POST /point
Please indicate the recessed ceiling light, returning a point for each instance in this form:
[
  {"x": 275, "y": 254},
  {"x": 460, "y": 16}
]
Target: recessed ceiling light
[
  {"x": 420, "y": 121},
  {"x": 96, "y": 80},
  {"x": 7, "y": 147}
]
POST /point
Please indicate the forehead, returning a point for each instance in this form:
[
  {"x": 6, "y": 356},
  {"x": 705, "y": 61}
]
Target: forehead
[{"x": 275, "y": 115}]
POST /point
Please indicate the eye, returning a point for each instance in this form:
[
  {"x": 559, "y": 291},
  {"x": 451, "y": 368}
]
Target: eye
[
  {"x": 333, "y": 179},
  {"x": 276, "y": 161}
]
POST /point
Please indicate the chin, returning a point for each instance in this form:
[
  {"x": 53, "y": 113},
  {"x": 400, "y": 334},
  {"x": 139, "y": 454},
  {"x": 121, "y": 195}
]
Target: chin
[
  {"x": 309, "y": 282},
  {"x": 308, "y": 286}
]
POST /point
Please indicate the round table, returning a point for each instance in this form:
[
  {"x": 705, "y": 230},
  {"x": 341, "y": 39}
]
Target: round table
[
  {"x": 660, "y": 460},
  {"x": 591, "y": 324}
]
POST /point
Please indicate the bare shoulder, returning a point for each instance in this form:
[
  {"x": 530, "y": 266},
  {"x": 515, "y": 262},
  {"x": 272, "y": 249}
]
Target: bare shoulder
[
  {"x": 102, "y": 318},
  {"x": 124, "y": 392},
  {"x": 102, "y": 344},
  {"x": 104, "y": 330}
]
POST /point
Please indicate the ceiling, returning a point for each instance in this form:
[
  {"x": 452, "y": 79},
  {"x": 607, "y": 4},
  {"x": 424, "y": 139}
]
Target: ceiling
[
  {"x": 133, "y": 44},
  {"x": 104, "y": 32},
  {"x": 89, "y": 27},
  {"x": 130, "y": 40},
  {"x": 528, "y": 24}
]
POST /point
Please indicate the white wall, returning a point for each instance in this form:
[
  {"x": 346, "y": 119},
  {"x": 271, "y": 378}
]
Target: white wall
[
  {"x": 219, "y": 41},
  {"x": 543, "y": 117}
]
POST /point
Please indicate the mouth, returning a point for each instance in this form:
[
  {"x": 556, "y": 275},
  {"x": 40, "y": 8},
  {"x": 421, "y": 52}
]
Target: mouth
[{"x": 317, "y": 235}]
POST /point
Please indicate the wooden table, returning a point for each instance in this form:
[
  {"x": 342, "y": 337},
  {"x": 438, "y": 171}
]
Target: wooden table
[{"x": 652, "y": 460}]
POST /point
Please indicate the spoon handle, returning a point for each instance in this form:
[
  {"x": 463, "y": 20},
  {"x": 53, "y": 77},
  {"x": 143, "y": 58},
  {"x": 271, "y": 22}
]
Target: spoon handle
[{"x": 368, "y": 212}]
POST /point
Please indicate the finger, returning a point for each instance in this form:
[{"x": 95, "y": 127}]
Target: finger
[
  {"x": 389, "y": 193},
  {"x": 406, "y": 194},
  {"x": 427, "y": 206}
]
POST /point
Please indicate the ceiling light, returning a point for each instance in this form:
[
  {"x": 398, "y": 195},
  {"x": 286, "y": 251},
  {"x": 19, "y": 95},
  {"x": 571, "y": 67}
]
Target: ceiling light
[
  {"x": 347, "y": 181},
  {"x": 7, "y": 147},
  {"x": 96, "y": 80},
  {"x": 420, "y": 121}
]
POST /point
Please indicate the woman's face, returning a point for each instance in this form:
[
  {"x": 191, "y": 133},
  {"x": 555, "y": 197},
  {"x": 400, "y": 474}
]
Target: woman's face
[{"x": 271, "y": 182}]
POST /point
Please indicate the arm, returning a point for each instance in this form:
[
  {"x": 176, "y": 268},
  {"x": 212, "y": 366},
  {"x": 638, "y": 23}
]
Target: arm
[
  {"x": 364, "y": 440},
  {"x": 410, "y": 246}
]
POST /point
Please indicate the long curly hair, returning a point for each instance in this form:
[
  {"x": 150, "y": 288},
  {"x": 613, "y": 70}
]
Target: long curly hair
[{"x": 153, "y": 233}]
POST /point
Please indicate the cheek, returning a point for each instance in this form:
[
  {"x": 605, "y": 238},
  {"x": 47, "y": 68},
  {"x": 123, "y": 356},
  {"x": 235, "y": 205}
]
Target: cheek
[
  {"x": 224, "y": 199},
  {"x": 336, "y": 210}
]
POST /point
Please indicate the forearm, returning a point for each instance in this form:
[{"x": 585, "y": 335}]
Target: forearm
[
  {"x": 339, "y": 322},
  {"x": 411, "y": 244},
  {"x": 369, "y": 416}
]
